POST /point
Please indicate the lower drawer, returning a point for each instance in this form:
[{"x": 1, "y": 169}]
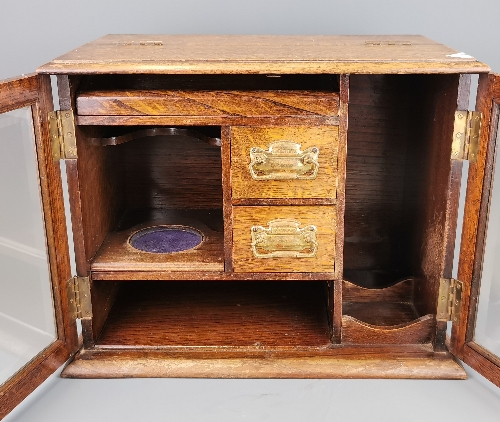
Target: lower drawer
[{"x": 284, "y": 239}]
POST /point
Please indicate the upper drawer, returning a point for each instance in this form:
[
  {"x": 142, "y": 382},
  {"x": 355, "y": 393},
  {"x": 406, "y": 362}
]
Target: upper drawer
[
  {"x": 190, "y": 107},
  {"x": 284, "y": 162}
]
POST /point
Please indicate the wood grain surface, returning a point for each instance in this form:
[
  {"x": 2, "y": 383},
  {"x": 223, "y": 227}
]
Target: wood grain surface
[
  {"x": 116, "y": 253},
  {"x": 243, "y": 139},
  {"x": 476, "y": 213},
  {"x": 115, "y": 364},
  {"x": 413, "y": 332},
  {"x": 428, "y": 184},
  {"x": 482, "y": 361},
  {"x": 35, "y": 92},
  {"x": 132, "y": 120},
  {"x": 323, "y": 217},
  {"x": 218, "y": 314},
  {"x": 384, "y": 316},
  {"x": 336, "y": 288},
  {"x": 208, "y": 103},
  {"x": 377, "y": 139},
  {"x": 381, "y": 314},
  {"x": 476, "y": 216},
  {"x": 170, "y": 172},
  {"x": 227, "y": 54},
  {"x": 402, "y": 291},
  {"x": 206, "y": 275}
]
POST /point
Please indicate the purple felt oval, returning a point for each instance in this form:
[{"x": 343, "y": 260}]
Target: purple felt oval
[{"x": 166, "y": 239}]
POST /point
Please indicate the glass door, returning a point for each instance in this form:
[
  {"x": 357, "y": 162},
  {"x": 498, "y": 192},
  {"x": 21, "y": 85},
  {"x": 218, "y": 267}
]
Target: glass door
[
  {"x": 36, "y": 331},
  {"x": 27, "y": 322},
  {"x": 476, "y": 338}
]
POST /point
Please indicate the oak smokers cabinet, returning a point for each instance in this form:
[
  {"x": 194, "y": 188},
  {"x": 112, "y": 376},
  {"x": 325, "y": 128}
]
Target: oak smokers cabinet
[{"x": 254, "y": 206}]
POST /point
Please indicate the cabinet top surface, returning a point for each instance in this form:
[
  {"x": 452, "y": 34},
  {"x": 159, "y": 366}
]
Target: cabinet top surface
[{"x": 197, "y": 54}]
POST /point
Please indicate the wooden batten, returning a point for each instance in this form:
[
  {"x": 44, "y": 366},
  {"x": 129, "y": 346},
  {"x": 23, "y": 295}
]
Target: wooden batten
[
  {"x": 414, "y": 332},
  {"x": 144, "y": 364}
]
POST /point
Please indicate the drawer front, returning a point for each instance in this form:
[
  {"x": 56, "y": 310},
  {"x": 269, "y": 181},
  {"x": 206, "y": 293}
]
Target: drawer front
[
  {"x": 284, "y": 162},
  {"x": 284, "y": 239}
]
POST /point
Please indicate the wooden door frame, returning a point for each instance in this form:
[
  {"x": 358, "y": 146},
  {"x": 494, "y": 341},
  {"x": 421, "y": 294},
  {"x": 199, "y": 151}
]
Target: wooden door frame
[
  {"x": 477, "y": 203},
  {"x": 35, "y": 91}
]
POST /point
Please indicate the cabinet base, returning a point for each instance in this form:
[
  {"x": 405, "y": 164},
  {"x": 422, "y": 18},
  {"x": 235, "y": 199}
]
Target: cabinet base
[{"x": 157, "y": 365}]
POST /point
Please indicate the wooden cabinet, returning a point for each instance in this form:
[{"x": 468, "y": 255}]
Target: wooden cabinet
[{"x": 263, "y": 207}]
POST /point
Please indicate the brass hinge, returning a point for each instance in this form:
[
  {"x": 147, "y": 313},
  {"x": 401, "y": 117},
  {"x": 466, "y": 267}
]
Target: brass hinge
[
  {"x": 80, "y": 305},
  {"x": 62, "y": 134},
  {"x": 466, "y": 132},
  {"x": 450, "y": 300}
]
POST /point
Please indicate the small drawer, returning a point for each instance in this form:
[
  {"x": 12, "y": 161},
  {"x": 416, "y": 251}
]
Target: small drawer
[
  {"x": 284, "y": 238},
  {"x": 284, "y": 162}
]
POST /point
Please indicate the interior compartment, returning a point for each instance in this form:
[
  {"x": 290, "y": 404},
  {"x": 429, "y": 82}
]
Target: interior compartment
[
  {"x": 396, "y": 205},
  {"x": 149, "y": 177},
  {"x": 384, "y": 316},
  {"x": 240, "y": 314},
  {"x": 397, "y": 188}
]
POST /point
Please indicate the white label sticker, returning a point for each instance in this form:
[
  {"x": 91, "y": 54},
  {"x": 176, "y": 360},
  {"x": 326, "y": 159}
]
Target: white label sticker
[{"x": 460, "y": 55}]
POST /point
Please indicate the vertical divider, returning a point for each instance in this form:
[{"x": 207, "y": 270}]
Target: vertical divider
[
  {"x": 340, "y": 209},
  {"x": 227, "y": 207}
]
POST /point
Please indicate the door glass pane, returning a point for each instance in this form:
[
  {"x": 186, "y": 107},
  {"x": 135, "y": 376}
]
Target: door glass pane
[
  {"x": 27, "y": 323},
  {"x": 487, "y": 332}
]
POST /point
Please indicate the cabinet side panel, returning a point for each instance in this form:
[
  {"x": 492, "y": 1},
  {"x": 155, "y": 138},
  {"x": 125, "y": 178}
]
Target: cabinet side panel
[
  {"x": 428, "y": 183},
  {"x": 101, "y": 190}
]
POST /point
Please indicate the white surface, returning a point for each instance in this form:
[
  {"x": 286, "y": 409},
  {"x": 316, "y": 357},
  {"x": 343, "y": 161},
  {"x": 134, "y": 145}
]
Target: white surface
[{"x": 153, "y": 400}]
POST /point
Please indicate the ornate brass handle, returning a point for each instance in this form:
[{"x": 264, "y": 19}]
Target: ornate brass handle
[
  {"x": 283, "y": 161},
  {"x": 283, "y": 238}
]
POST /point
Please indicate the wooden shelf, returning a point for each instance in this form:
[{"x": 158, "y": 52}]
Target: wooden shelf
[
  {"x": 239, "y": 314},
  {"x": 117, "y": 255}
]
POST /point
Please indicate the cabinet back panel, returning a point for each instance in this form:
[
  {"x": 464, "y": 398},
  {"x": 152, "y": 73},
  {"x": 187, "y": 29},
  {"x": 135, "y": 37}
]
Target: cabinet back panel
[
  {"x": 172, "y": 172},
  {"x": 377, "y": 142}
]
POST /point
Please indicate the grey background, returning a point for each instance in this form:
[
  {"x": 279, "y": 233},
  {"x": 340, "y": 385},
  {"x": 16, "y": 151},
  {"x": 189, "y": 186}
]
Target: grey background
[{"x": 32, "y": 33}]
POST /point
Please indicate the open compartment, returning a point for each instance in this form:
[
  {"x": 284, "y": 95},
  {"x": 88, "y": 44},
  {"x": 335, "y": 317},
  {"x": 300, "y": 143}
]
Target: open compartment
[
  {"x": 398, "y": 211},
  {"x": 151, "y": 198},
  {"x": 242, "y": 314},
  {"x": 384, "y": 316}
]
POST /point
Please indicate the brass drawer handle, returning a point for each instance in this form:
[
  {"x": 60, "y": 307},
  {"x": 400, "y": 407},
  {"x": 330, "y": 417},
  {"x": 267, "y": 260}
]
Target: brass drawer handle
[
  {"x": 284, "y": 161},
  {"x": 283, "y": 238}
]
